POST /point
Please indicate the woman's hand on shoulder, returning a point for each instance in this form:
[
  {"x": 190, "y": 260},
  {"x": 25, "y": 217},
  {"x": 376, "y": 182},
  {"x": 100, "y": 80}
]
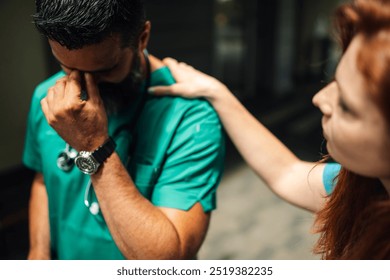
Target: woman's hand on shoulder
[{"x": 190, "y": 83}]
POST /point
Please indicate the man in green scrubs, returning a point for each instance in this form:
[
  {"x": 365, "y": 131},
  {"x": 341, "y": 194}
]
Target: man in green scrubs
[{"x": 120, "y": 174}]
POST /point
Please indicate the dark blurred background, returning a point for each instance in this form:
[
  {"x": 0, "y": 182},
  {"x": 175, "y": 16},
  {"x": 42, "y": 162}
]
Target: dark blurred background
[{"x": 273, "y": 54}]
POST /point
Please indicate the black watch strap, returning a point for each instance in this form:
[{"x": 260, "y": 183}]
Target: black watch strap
[{"x": 104, "y": 151}]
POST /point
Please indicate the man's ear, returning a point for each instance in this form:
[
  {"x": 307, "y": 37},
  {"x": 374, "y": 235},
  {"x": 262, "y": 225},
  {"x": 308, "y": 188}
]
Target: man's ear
[{"x": 144, "y": 37}]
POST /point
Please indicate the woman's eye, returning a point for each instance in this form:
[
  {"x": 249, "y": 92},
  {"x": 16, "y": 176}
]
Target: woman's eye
[{"x": 343, "y": 106}]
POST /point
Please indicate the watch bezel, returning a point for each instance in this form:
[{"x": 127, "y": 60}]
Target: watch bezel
[{"x": 92, "y": 165}]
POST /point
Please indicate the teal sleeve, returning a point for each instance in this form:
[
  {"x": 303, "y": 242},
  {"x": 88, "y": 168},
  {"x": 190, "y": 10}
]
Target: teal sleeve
[
  {"x": 31, "y": 155},
  {"x": 329, "y": 177},
  {"x": 194, "y": 163},
  {"x": 36, "y": 126}
]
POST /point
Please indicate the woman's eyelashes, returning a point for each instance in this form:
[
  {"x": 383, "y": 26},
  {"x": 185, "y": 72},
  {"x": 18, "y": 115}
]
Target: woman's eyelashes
[{"x": 344, "y": 107}]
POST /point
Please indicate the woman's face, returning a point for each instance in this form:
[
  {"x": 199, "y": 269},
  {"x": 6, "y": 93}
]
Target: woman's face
[{"x": 357, "y": 134}]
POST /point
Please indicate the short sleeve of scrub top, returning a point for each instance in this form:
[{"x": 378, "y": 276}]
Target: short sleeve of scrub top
[
  {"x": 32, "y": 149},
  {"x": 31, "y": 158},
  {"x": 192, "y": 169},
  {"x": 329, "y": 176}
]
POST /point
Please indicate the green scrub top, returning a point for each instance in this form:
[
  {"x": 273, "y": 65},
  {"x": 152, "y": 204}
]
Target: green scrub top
[{"x": 177, "y": 162}]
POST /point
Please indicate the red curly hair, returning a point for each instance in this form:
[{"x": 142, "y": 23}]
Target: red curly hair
[{"x": 355, "y": 223}]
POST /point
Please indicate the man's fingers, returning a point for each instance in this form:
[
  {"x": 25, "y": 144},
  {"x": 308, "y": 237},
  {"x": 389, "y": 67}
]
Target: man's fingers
[
  {"x": 91, "y": 87},
  {"x": 59, "y": 88},
  {"x": 64, "y": 79},
  {"x": 45, "y": 109},
  {"x": 75, "y": 75},
  {"x": 73, "y": 86},
  {"x": 50, "y": 97},
  {"x": 44, "y": 106}
]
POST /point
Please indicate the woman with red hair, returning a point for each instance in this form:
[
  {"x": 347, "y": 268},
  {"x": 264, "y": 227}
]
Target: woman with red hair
[{"x": 351, "y": 198}]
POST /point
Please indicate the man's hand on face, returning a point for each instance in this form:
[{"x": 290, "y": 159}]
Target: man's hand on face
[{"x": 82, "y": 124}]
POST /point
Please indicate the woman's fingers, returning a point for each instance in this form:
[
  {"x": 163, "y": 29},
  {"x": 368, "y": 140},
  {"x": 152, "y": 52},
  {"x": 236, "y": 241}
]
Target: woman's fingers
[
  {"x": 175, "y": 89},
  {"x": 191, "y": 83}
]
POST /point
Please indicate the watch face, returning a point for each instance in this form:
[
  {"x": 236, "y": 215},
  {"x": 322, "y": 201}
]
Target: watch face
[{"x": 86, "y": 163}]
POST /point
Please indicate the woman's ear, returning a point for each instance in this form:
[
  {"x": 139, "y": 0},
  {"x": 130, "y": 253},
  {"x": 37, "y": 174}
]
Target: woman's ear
[{"x": 144, "y": 37}]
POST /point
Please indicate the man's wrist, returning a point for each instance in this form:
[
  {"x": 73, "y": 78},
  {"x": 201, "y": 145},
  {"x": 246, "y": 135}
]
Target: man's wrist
[
  {"x": 92, "y": 143},
  {"x": 89, "y": 161}
]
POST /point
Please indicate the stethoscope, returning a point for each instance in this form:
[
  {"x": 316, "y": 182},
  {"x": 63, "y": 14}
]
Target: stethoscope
[{"x": 65, "y": 160}]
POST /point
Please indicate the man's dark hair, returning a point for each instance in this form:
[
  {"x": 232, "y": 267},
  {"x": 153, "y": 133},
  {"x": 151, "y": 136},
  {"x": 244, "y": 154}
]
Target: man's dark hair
[{"x": 78, "y": 23}]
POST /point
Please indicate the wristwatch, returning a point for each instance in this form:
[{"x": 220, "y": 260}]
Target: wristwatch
[{"x": 89, "y": 162}]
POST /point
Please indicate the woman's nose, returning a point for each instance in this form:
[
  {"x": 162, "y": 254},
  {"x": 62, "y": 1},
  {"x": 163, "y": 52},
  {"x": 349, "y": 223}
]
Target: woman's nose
[{"x": 323, "y": 98}]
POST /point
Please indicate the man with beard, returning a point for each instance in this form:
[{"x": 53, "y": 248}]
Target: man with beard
[{"x": 120, "y": 174}]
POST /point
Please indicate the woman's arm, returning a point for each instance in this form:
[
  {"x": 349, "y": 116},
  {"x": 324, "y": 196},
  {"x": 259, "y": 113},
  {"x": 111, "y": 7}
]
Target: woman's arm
[{"x": 296, "y": 181}]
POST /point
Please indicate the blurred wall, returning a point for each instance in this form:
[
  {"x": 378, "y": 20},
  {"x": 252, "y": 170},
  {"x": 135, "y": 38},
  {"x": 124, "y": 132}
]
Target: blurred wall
[
  {"x": 183, "y": 30},
  {"x": 261, "y": 49},
  {"x": 22, "y": 67},
  {"x": 295, "y": 45},
  {"x": 316, "y": 52}
]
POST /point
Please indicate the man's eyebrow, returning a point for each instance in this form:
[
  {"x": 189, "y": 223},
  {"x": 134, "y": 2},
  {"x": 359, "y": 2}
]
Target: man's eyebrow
[{"x": 92, "y": 72}]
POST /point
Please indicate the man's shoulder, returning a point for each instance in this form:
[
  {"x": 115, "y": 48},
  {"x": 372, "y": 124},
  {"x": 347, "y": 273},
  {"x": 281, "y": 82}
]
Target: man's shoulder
[
  {"x": 177, "y": 105},
  {"x": 42, "y": 88},
  {"x": 182, "y": 106},
  {"x": 182, "y": 119},
  {"x": 39, "y": 93}
]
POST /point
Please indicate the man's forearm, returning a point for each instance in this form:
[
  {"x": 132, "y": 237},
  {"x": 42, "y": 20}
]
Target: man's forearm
[
  {"x": 39, "y": 228},
  {"x": 140, "y": 230}
]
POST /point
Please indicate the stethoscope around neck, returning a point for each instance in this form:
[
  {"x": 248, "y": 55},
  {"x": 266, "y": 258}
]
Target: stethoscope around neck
[{"x": 65, "y": 160}]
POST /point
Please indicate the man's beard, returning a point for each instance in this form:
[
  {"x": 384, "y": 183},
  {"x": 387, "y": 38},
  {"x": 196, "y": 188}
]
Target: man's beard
[{"x": 118, "y": 96}]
